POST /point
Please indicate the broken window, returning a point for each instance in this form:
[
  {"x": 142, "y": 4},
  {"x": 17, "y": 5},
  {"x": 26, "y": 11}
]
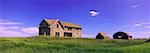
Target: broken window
[{"x": 57, "y": 34}]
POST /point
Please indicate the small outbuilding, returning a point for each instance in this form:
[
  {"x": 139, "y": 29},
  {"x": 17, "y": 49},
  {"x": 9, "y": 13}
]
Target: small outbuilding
[
  {"x": 102, "y": 35},
  {"x": 122, "y": 35},
  {"x": 147, "y": 40}
]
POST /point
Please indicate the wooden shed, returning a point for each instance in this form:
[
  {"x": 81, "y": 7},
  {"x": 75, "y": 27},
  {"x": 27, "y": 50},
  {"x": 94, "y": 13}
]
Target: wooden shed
[{"x": 102, "y": 35}]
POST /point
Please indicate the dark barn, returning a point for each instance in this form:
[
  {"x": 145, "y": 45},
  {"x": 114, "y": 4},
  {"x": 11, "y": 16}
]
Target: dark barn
[
  {"x": 122, "y": 35},
  {"x": 147, "y": 40}
]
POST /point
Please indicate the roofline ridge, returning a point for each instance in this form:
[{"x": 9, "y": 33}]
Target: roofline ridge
[
  {"x": 45, "y": 19},
  {"x": 55, "y": 21},
  {"x": 69, "y": 22},
  {"x": 50, "y": 19}
]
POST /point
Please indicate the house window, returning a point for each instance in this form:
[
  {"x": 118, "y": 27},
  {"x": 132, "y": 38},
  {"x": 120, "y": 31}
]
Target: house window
[
  {"x": 57, "y": 26},
  {"x": 67, "y": 34},
  {"x": 69, "y": 28},
  {"x": 57, "y": 34},
  {"x": 77, "y": 29}
]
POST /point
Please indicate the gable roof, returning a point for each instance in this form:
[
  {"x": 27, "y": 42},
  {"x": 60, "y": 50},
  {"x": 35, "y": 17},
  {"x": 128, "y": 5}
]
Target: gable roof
[
  {"x": 120, "y": 32},
  {"x": 51, "y": 22},
  {"x": 103, "y": 34}
]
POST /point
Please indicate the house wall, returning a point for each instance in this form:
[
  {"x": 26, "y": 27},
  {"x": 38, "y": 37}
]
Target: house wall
[
  {"x": 75, "y": 33},
  {"x": 54, "y": 29},
  {"x": 44, "y": 29}
]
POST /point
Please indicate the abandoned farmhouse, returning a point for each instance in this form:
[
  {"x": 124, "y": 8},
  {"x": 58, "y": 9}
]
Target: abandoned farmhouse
[{"x": 57, "y": 28}]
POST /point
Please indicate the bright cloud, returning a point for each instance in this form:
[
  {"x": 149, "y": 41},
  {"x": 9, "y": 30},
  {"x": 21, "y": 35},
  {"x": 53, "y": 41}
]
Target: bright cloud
[
  {"x": 143, "y": 25},
  {"x": 9, "y": 23},
  {"x": 88, "y": 36},
  {"x": 14, "y": 29},
  {"x": 93, "y": 13},
  {"x": 145, "y": 32},
  {"x": 142, "y": 33},
  {"x": 147, "y": 27},
  {"x": 9, "y": 31},
  {"x": 30, "y": 30},
  {"x": 137, "y": 25},
  {"x": 135, "y": 6}
]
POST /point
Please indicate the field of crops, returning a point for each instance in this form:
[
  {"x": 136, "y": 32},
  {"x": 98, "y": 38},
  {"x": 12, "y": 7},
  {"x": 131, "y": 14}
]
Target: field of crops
[{"x": 42, "y": 44}]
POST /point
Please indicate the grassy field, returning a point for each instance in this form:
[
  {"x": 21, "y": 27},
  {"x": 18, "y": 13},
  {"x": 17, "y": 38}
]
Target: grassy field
[{"x": 71, "y": 45}]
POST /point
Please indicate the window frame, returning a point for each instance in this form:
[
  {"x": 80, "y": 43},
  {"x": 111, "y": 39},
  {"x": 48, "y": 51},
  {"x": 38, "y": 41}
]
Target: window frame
[{"x": 57, "y": 34}]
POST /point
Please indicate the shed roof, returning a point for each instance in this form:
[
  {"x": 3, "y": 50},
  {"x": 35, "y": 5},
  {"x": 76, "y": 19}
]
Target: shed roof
[{"x": 104, "y": 34}]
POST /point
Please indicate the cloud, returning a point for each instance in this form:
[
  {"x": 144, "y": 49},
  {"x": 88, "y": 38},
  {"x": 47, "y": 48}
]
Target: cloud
[
  {"x": 138, "y": 25},
  {"x": 12, "y": 33},
  {"x": 147, "y": 27},
  {"x": 134, "y": 6},
  {"x": 30, "y": 30},
  {"x": 8, "y": 22},
  {"x": 93, "y": 13},
  {"x": 9, "y": 28},
  {"x": 145, "y": 32},
  {"x": 143, "y": 25},
  {"x": 15, "y": 29},
  {"x": 88, "y": 36},
  {"x": 9, "y": 31},
  {"x": 142, "y": 30}
]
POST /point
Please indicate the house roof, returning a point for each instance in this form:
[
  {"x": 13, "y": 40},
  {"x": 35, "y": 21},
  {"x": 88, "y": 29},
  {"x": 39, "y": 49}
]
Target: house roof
[
  {"x": 50, "y": 22},
  {"x": 120, "y": 32},
  {"x": 103, "y": 34}
]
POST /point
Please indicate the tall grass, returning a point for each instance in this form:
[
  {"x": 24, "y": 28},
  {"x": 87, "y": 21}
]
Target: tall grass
[{"x": 43, "y": 44}]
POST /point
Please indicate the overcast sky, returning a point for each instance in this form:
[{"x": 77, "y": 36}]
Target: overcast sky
[{"x": 18, "y": 17}]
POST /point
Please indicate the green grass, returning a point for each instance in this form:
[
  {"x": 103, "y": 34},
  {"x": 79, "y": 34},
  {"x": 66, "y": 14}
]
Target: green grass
[{"x": 42, "y": 44}]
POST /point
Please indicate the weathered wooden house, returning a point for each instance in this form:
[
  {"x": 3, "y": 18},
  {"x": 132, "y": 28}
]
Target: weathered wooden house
[{"x": 57, "y": 28}]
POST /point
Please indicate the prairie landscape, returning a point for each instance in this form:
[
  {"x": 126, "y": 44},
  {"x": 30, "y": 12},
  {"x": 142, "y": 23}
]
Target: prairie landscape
[
  {"x": 44, "y": 44},
  {"x": 90, "y": 24}
]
